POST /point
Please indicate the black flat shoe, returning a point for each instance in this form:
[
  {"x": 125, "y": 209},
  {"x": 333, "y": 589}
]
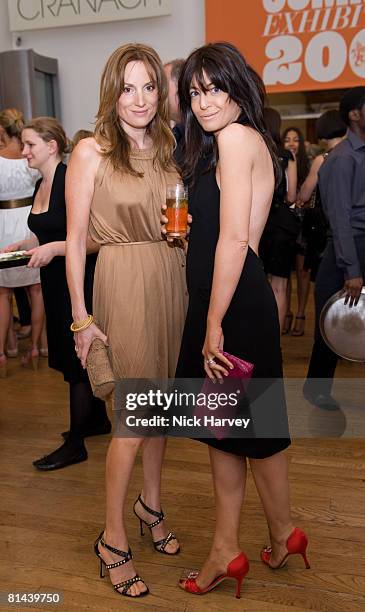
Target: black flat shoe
[
  {"x": 321, "y": 400},
  {"x": 101, "y": 430},
  {"x": 48, "y": 463}
]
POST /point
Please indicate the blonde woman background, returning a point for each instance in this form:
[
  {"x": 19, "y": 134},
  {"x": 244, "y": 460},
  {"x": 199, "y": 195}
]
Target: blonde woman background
[{"x": 16, "y": 188}]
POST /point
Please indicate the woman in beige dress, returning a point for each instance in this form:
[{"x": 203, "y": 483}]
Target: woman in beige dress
[{"x": 115, "y": 188}]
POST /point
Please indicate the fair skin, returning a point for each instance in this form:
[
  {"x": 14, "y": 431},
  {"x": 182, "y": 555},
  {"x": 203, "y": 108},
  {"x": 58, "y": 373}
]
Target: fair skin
[
  {"x": 246, "y": 181},
  {"x": 43, "y": 156},
  {"x": 11, "y": 149},
  {"x": 173, "y": 95},
  {"x": 311, "y": 181},
  {"x": 136, "y": 108},
  {"x": 278, "y": 284},
  {"x": 291, "y": 142}
]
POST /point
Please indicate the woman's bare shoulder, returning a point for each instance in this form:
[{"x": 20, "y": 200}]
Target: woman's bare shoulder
[
  {"x": 236, "y": 134},
  {"x": 87, "y": 150},
  {"x": 317, "y": 162},
  {"x": 87, "y": 154}
]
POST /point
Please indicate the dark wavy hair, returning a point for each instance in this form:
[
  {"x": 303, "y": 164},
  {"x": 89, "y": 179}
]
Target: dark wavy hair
[
  {"x": 301, "y": 157},
  {"x": 225, "y": 67},
  {"x": 351, "y": 100},
  {"x": 273, "y": 123},
  {"x": 330, "y": 125}
]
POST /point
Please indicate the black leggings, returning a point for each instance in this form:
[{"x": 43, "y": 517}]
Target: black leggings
[{"x": 86, "y": 411}]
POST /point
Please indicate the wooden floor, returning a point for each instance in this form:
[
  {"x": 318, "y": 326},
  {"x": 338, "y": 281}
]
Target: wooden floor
[{"x": 49, "y": 521}]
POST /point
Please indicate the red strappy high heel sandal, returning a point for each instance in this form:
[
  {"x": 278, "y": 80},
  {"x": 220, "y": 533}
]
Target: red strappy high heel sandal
[
  {"x": 236, "y": 569},
  {"x": 296, "y": 544}
]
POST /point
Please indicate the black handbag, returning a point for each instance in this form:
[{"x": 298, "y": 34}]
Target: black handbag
[{"x": 283, "y": 217}]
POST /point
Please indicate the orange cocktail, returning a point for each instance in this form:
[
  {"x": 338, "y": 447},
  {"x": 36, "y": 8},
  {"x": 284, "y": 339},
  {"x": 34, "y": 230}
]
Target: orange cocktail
[{"x": 177, "y": 210}]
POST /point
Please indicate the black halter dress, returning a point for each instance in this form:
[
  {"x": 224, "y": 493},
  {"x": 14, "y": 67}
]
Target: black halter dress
[{"x": 250, "y": 326}]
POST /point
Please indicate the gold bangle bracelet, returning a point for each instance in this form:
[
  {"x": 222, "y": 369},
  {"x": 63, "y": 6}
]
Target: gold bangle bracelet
[{"x": 78, "y": 326}]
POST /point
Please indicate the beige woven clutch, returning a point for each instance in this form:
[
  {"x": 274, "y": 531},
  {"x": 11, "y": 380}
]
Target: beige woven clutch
[{"x": 99, "y": 370}]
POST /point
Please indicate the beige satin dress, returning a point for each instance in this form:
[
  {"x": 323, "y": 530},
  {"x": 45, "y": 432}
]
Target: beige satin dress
[{"x": 140, "y": 292}]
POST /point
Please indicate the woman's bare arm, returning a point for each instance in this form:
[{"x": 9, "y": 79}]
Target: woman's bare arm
[
  {"x": 80, "y": 179},
  {"x": 291, "y": 175},
  {"x": 237, "y": 151},
  {"x": 21, "y": 245},
  {"x": 311, "y": 181},
  {"x": 236, "y": 158}
]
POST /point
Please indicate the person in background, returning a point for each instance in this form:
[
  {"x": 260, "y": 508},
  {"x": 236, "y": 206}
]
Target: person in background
[
  {"x": 294, "y": 141},
  {"x": 172, "y": 71},
  {"x": 116, "y": 186},
  {"x": 44, "y": 146},
  {"x": 79, "y": 135},
  {"x": 16, "y": 188},
  {"x": 24, "y": 313},
  {"x": 312, "y": 150},
  {"x": 277, "y": 244},
  {"x": 342, "y": 187},
  {"x": 331, "y": 130},
  {"x": 229, "y": 164}
]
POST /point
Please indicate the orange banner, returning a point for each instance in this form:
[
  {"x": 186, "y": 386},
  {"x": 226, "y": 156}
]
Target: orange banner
[{"x": 295, "y": 45}]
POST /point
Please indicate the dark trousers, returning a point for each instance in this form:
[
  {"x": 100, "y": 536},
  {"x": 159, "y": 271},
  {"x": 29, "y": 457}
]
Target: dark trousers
[
  {"x": 22, "y": 303},
  {"x": 330, "y": 279}
]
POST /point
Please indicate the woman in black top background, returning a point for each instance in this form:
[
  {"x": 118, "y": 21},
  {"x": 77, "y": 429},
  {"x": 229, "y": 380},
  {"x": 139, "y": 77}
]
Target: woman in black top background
[
  {"x": 331, "y": 130},
  {"x": 278, "y": 241},
  {"x": 44, "y": 143},
  {"x": 293, "y": 140}
]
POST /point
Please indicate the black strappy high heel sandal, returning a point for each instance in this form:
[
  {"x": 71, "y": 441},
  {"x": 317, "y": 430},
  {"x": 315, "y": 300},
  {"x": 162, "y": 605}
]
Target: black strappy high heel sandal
[
  {"x": 126, "y": 556},
  {"x": 160, "y": 545}
]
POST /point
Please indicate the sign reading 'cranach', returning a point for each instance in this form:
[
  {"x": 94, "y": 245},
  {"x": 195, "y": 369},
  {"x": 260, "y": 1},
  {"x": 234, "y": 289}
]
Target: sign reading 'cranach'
[{"x": 35, "y": 14}]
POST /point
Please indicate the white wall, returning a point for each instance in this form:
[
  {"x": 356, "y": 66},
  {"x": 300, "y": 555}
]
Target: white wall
[
  {"x": 5, "y": 36},
  {"x": 82, "y": 51}
]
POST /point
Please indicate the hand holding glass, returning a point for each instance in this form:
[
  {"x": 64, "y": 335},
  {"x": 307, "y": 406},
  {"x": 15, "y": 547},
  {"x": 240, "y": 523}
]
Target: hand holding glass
[{"x": 177, "y": 210}]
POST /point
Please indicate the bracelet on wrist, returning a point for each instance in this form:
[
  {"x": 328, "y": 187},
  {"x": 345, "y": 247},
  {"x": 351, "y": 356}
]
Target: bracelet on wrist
[{"x": 78, "y": 326}]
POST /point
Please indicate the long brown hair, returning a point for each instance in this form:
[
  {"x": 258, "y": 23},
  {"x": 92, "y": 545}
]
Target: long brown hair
[
  {"x": 109, "y": 132},
  {"x": 49, "y": 129}
]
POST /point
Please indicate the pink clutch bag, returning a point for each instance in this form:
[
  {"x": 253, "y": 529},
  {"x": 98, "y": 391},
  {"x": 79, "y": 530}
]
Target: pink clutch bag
[{"x": 242, "y": 370}]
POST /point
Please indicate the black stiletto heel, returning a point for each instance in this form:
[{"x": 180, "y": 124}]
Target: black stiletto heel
[
  {"x": 126, "y": 556},
  {"x": 160, "y": 545}
]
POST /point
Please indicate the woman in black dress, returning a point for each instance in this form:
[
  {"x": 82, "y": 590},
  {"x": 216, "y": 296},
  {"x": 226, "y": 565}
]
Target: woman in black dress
[
  {"x": 229, "y": 164},
  {"x": 278, "y": 241},
  {"x": 44, "y": 143},
  {"x": 293, "y": 140}
]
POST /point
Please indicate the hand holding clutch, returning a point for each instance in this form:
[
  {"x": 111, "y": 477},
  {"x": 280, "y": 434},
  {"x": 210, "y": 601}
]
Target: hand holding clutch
[
  {"x": 99, "y": 370},
  {"x": 242, "y": 369},
  {"x": 238, "y": 378}
]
